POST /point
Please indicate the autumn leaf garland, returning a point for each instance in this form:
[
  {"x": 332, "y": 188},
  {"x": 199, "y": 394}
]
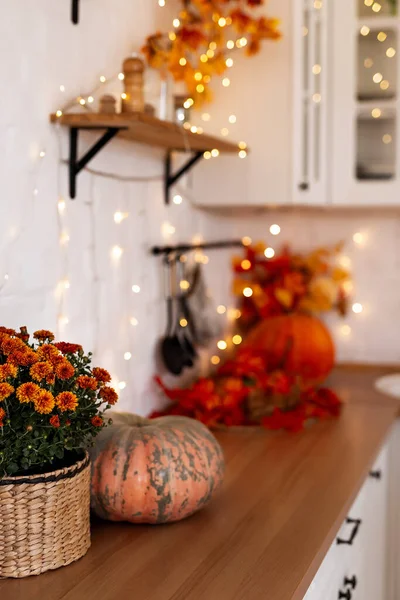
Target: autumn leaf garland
[{"x": 206, "y": 34}]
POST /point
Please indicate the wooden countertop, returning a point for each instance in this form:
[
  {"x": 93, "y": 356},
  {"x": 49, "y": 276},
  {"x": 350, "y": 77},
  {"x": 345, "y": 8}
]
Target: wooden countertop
[{"x": 264, "y": 536}]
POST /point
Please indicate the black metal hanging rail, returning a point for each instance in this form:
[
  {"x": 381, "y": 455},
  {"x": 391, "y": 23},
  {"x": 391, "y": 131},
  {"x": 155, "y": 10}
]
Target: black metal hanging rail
[
  {"x": 75, "y": 11},
  {"x": 180, "y": 248}
]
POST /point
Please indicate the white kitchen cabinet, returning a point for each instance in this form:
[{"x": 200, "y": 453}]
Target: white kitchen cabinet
[
  {"x": 355, "y": 567},
  {"x": 364, "y": 103},
  {"x": 279, "y": 99}
]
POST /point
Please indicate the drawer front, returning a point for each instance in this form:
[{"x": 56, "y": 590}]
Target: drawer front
[
  {"x": 329, "y": 578},
  {"x": 355, "y": 564}
]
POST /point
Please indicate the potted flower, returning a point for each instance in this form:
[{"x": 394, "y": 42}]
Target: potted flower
[{"x": 52, "y": 405}]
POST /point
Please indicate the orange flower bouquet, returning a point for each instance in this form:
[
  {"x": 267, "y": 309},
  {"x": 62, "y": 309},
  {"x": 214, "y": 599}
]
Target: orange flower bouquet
[
  {"x": 52, "y": 405},
  {"x": 289, "y": 283},
  {"x": 281, "y": 295}
]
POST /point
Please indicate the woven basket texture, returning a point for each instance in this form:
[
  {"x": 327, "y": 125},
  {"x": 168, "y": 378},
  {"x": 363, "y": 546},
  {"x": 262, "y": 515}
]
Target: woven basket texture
[{"x": 44, "y": 520}]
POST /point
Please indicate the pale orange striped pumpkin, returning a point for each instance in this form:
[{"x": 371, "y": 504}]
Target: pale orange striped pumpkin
[{"x": 154, "y": 471}]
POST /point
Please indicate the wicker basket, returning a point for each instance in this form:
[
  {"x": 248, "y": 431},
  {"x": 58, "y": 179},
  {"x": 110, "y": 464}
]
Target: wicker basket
[{"x": 44, "y": 520}]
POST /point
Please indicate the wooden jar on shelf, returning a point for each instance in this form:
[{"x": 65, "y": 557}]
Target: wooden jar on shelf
[{"x": 133, "y": 98}]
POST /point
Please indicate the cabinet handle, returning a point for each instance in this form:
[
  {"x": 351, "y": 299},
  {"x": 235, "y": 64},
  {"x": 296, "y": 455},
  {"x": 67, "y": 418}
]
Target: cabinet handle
[
  {"x": 304, "y": 186},
  {"x": 376, "y": 474},
  {"x": 356, "y": 526},
  {"x": 351, "y": 582}
]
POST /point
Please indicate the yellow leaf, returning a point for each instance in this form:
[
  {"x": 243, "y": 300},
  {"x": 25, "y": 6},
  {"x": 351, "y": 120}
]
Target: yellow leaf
[
  {"x": 284, "y": 297},
  {"x": 339, "y": 274}
]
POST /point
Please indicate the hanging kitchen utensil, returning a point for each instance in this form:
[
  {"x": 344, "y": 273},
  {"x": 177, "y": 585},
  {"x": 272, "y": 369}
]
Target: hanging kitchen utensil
[
  {"x": 205, "y": 321},
  {"x": 185, "y": 332},
  {"x": 172, "y": 352}
]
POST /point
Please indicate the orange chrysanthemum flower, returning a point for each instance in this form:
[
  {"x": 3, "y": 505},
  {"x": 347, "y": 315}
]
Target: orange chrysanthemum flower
[
  {"x": 5, "y": 391},
  {"x": 109, "y": 395},
  {"x": 101, "y": 375},
  {"x": 27, "y": 392},
  {"x": 44, "y": 402},
  {"x": 47, "y": 352},
  {"x": 43, "y": 335},
  {"x": 3, "y": 373},
  {"x": 67, "y": 348},
  {"x": 87, "y": 383},
  {"x": 97, "y": 421},
  {"x": 51, "y": 379},
  {"x": 11, "y": 370},
  {"x": 2, "y": 415},
  {"x": 7, "y": 331},
  {"x": 9, "y": 345},
  {"x": 66, "y": 401},
  {"x": 41, "y": 370},
  {"x": 64, "y": 370},
  {"x": 24, "y": 357},
  {"x": 8, "y": 371},
  {"x": 55, "y": 421}
]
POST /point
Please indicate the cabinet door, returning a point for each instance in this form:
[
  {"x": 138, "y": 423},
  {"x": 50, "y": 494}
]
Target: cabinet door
[
  {"x": 364, "y": 103},
  {"x": 311, "y": 34}
]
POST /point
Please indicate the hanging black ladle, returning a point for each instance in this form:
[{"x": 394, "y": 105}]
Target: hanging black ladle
[
  {"x": 184, "y": 313},
  {"x": 173, "y": 353}
]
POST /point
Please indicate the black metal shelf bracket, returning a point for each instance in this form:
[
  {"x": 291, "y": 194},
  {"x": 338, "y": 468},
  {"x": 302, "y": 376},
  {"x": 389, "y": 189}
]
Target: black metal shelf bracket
[
  {"x": 76, "y": 165},
  {"x": 75, "y": 11},
  {"x": 170, "y": 178}
]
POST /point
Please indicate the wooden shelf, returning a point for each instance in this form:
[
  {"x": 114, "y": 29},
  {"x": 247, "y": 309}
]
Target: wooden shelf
[
  {"x": 140, "y": 128},
  {"x": 145, "y": 129}
]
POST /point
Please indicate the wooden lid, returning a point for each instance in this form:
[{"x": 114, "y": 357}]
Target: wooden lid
[{"x": 133, "y": 65}]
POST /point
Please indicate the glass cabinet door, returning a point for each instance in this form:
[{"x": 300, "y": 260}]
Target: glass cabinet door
[
  {"x": 376, "y": 90},
  {"x": 310, "y": 59},
  {"x": 365, "y": 102}
]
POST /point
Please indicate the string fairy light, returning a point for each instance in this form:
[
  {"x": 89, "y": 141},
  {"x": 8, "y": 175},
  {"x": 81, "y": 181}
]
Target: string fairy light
[
  {"x": 275, "y": 229},
  {"x": 120, "y": 216},
  {"x": 357, "y": 308},
  {"x": 345, "y": 330},
  {"x": 247, "y": 292},
  {"x": 116, "y": 252}
]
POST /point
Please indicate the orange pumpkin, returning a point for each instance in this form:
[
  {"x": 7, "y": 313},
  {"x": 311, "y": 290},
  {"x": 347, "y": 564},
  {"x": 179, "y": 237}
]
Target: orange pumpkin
[
  {"x": 299, "y": 342},
  {"x": 154, "y": 471}
]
